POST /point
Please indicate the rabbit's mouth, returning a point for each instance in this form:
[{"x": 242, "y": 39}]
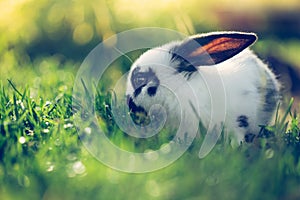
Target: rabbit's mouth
[{"x": 138, "y": 114}]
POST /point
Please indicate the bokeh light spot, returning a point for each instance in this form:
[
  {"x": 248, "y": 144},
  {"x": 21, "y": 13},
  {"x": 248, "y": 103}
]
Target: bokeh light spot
[{"x": 83, "y": 33}]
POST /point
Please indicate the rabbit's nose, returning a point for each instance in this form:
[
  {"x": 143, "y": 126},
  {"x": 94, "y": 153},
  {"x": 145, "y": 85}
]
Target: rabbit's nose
[
  {"x": 138, "y": 114},
  {"x": 133, "y": 107}
]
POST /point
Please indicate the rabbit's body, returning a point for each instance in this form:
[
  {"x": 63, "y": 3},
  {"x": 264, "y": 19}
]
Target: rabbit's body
[{"x": 250, "y": 90}]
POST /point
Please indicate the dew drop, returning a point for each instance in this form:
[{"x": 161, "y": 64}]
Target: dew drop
[
  {"x": 68, "y": 125},
  {"x": 22, "y": 140},
  {"x": 46, "y": 130},
  {"x": 78, "y": 167},
  {"x": 50, "y": 166},
  {"x": 88, "y": 130},
  {"x": 269, "y": 153}
]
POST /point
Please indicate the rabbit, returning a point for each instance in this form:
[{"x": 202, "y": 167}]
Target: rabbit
[{"x": 248, "y": 94}]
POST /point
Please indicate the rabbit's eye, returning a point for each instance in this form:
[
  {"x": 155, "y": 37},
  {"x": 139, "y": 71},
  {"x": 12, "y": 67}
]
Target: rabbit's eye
[{"x": 152, "y": 90}]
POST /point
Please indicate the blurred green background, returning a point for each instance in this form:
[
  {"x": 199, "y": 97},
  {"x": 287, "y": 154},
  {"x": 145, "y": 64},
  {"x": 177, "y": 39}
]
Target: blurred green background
[
  {"x": 37, "y": 34},
  {"x": 42, "y": 44}
]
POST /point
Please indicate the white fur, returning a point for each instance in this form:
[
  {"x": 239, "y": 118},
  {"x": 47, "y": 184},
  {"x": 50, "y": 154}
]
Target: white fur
[{"x": 242, "y": 75}]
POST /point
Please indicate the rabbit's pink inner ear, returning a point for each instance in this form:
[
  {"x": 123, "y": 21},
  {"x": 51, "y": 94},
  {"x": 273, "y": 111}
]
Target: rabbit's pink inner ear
[
  {"x": 220, "y": 45},
  {"x": 220, "y": 49}
]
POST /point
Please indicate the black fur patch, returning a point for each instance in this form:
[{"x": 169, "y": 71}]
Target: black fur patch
[
  {"x": 270, "y": 95},
  {"x": 138, "y": 90},
  {"x": 141, "y": 79},
  {"x": 138, "y": 114},
  {"x": 271, "y": 98},
  {"x": 182, "y": 52},
  {"x": 134, "y": 108},
  {"x": 152, "y": 90},
  {"x": 249, "y": 137},
  {"x": 242, "y": 121},
  {"x": 183, "y": 66}
]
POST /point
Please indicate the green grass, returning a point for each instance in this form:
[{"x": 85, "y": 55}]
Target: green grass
[{"x": 41, "y": 156}]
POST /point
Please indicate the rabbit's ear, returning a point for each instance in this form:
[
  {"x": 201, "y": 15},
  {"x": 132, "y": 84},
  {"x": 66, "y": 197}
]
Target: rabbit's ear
[{"x": 214, "y": 48}]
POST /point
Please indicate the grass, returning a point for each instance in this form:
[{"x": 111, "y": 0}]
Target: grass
[{"x": 41, "y": 156}]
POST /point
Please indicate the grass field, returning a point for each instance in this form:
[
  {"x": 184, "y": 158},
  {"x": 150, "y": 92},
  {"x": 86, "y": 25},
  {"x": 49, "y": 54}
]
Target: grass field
[
  {"x": 41, "y": 154},
  {"x": 42, "y": 157}
]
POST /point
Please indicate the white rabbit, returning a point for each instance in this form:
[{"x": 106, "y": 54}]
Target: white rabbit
[{"x": 250, "y": 89}]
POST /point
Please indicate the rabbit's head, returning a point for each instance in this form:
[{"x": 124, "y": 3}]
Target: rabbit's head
[{"x": 157, "y": 73}]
